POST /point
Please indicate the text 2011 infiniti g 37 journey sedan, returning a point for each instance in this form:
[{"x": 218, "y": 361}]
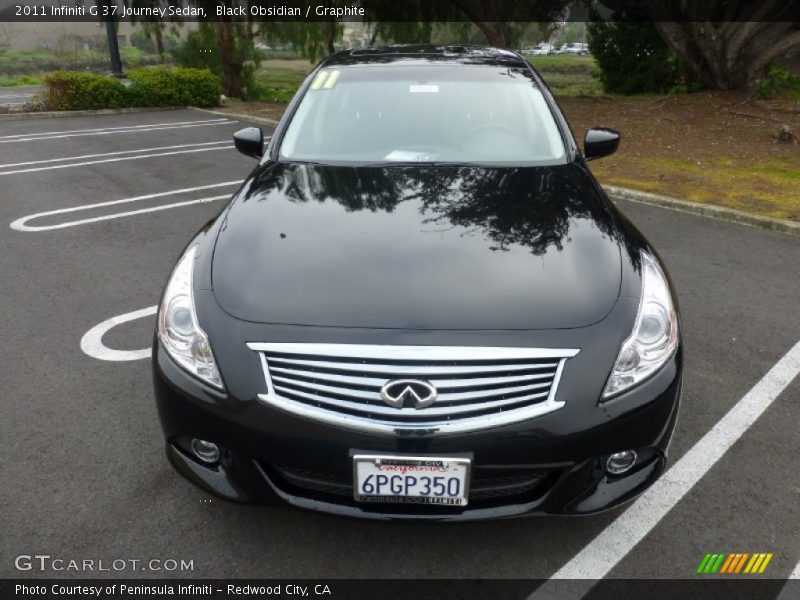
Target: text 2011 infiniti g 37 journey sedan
[{"x": 420, "y": 305}]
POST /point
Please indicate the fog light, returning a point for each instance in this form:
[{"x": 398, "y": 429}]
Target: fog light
[
  {"x": 206, "y": 451},
  {"x": 619, "y": 462}
]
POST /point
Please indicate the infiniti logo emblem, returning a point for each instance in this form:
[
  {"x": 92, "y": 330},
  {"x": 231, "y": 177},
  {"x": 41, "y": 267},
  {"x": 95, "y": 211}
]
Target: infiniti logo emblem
[{"x": 396, "y": 392}]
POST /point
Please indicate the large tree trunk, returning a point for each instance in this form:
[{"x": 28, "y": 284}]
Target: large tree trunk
[
  {"x": 489, "y": 17},
  {"x": 497, "y": 34},
  {"x": 727, "y": 43},
  {"x": 729, "y": 55},
  {"x": 232, "y": 63},
  {"x": 329, "y": 34}
]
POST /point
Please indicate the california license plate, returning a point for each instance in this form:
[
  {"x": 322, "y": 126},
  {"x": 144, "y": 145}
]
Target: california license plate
[{"x": 413, "y": 479}]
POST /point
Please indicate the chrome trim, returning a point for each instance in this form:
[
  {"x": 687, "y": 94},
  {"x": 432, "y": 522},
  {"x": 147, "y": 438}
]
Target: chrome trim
[
  {"x": 437, "y": 383},
  {"x": 414, "y": 352},
  {"x": 328, "y": 397},
  {"x": 377, "y": 409},
  {"x": 417, "y": 370}
]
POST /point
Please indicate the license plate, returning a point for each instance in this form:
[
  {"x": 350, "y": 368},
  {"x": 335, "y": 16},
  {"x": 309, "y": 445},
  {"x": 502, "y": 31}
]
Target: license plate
[{"x": 412, "y": 479}]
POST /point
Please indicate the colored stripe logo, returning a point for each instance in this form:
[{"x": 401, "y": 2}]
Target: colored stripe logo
[{"x": 735, "y": 563}]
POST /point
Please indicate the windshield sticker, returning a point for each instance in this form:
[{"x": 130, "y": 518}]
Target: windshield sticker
[
  {"x": 409, "y": 156},
  {"x": 423, "y": 89},
  {"x": 319, "y": 80},
  {"x": 334, "y": 76}
]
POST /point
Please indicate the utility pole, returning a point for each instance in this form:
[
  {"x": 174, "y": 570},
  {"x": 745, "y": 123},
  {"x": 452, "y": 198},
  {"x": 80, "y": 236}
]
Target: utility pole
[{"x": 113, "y": 47}]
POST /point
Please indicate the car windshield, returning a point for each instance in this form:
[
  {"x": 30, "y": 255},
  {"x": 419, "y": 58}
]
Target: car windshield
[{"x": 474, "y": 114}]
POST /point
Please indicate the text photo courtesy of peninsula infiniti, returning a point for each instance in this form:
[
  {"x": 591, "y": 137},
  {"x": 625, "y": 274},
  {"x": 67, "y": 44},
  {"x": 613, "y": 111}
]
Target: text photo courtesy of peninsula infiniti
[{"x": 420, "y": 305}]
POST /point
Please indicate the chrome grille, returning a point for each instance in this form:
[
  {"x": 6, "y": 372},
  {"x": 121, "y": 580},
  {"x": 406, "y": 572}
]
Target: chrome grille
[{"x": 478, "y": 388}]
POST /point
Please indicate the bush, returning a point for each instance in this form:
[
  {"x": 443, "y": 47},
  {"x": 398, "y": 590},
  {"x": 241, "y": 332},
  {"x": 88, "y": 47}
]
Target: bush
[
  {"x": 201, "y": 50},
  {"x": 634, "y": 59},
  {"x": 777, "y": 80},
  {"x": 159, "y": 86},
  {"x": 70, "y": 90},
  {"x": 173, "y": 86}
]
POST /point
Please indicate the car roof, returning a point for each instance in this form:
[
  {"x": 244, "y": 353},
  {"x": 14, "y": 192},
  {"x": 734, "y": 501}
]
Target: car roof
[{"x": 425, "y": 54}]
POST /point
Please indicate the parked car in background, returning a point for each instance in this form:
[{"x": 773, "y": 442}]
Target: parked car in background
[
  {"x": 575, "y": 49},
  {"x": 542, "y": 50}
]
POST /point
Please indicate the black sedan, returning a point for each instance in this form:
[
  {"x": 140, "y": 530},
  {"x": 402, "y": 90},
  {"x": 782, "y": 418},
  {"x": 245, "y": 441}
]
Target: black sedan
[{"x": 420, "y": 305}]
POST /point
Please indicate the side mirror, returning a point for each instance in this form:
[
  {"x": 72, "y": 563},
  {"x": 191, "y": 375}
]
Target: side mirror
[
  {"x": 600, "y": 142},
  {"x": 249, "y": 141}
]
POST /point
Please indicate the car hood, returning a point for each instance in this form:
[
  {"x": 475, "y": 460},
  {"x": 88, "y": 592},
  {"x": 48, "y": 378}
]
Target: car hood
[{"x": 419, "y": 247}]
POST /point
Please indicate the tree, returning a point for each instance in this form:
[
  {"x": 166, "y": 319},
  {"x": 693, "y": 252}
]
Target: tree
[
  {"x": 234, "y": 41},
  {"x": 488, "y": 17},
  {"x": 728, "y": 44},
  {"x": 503, "y": 22},
  {"x": 6, "y": 35},
  {"x": 730, "y": 55},
  {"x": 633, "y": 58},
  {"x": 314, "y": 39}
]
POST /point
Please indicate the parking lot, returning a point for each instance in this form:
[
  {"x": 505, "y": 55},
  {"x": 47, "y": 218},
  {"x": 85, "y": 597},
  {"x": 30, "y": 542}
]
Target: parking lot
[
  {"x": 95, "y": 211},
  {"x": 15, "y": 96}
]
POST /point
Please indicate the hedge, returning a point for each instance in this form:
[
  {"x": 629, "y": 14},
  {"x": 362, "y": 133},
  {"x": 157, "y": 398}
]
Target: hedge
[
  {"x": 173, "y": 86},
  {"x": 160, "y": 86},
  {"x": 71, "y": 90}
]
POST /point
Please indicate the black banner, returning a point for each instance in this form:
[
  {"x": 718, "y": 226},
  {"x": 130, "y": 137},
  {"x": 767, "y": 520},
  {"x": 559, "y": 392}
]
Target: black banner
[
  {"x": 400, "y": 10},
  {"x": 731, "y": 588}
]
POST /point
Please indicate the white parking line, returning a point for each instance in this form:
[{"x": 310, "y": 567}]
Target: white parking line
[
  {"x": 598, "y": 557},
  {"x": 786, "y": 593},
  {"x": 118, "y": 159},
  {"x": 195, "y": 121},
  {"x": 120, "y": 131},
  {"x": 21, "y": 224},
  {"x": 67, "y": 158},
  {"x": 795, "y": 574},
  {"x": 92, "y": 341}
]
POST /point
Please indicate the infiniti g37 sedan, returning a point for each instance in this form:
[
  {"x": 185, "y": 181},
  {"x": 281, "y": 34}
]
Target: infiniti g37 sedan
[{"x": 420, "y": 305}]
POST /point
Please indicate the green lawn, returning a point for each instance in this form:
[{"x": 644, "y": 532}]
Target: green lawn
[
  {"x": 35, "y": 62},
  {"x": 6, "y": 81},
  {"x": 566, "y": 75},
  {"x": 278, "y": 80},
  {"x": 569, "y": 75}
]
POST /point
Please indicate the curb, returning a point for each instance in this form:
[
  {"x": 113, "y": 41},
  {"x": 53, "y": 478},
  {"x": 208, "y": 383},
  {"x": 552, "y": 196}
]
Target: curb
[
  {"x": 243, "y": 117},
  {"x": 704, "y": 210},
  {"x": 85, "y": 113}
]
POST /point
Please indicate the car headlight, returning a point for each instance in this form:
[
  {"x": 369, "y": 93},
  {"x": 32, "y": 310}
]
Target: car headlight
[
  {"x": 655, "y": 334},
  {"x": 178, "y": 330}
]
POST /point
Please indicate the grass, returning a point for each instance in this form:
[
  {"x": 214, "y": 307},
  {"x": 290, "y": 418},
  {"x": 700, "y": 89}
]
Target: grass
[
  {"x": 6, "y": 81},
  {"x": 569, "y": 75},
  {"x": 564, "y": 63},
  {"x": 765, "y": 187},
  {"x": 30, "y": 62},
  {"x": 277, "y": 80}
]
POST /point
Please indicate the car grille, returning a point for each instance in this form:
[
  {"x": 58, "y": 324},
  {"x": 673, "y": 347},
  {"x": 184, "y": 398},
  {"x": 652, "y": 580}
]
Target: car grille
[{"x": 478, "y": 388}]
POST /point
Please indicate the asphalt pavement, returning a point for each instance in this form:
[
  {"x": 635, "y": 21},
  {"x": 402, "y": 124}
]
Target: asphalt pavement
[
  {"x": 16, "y": 95},
  {"x": 82, "y": 468}
]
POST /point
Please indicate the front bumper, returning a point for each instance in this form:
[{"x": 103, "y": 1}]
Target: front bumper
[{"x": 552, "y": 464}]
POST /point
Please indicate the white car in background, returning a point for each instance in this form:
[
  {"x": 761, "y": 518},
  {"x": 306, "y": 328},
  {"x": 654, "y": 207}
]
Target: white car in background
[
  {"x": 541, "y": 50},
  {"x": 575, "y": 49}
]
